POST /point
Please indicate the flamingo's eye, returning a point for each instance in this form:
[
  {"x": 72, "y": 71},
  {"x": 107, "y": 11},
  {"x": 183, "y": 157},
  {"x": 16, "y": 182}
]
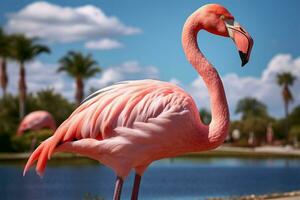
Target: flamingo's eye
[{"x": 222, "y": 17}]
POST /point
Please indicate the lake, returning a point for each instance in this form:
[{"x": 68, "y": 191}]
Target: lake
[{"x": 169, "y": 179}]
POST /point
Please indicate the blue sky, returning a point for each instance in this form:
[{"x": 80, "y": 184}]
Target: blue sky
[{"x": 154, "y": 43}]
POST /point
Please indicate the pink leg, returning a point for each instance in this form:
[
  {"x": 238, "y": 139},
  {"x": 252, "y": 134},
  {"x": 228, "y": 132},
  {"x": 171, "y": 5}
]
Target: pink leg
[
  {"x": 118, "y": 188},
  {"x": 136, "y": 187}
]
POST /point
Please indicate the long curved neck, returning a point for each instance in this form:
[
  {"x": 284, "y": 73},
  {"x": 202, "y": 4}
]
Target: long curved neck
[{"x": 217, "y": 129}]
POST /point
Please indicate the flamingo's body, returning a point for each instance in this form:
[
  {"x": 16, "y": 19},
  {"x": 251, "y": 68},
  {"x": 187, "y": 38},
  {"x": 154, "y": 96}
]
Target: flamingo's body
[
  {"x": 136, "y": 122},
  {"x": 131, "y": 124},
  {"x": 35, "y": 121}
]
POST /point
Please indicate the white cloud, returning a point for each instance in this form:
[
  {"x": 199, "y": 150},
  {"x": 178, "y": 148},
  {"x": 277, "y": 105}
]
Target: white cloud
[
  {"x": 103, "y": 44},
  {"x": 66, "y": 24},
  {"x": 40, "y": 76},
  {"x": 281, "y": 63},
  {"x": 175, "y": 81},
  {"x": 129, "y": 70},
  {"x": 263, "y": 88}
]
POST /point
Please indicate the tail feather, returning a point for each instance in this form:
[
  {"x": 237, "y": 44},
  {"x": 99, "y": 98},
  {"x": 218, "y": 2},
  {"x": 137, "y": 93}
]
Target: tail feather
[
  {"x": 41, "y": 156},
  {"x": 42, "y": 160},
  {"x": 57, "y": 138},
  {"x": 33, "y": 157},
  {"x": 44, "y": 151}
]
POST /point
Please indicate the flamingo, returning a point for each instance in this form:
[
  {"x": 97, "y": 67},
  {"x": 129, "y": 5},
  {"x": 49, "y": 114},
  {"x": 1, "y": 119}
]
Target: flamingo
[
  {"x": 130, "y": 124},
  {"x": 35, "y": 121}
]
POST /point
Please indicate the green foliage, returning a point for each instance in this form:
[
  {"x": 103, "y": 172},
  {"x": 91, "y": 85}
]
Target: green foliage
[
  {"x": 205, "y": 116},
  {"x": 251, "y": 107},
  {"x": 47, "y": 100},
  {"x": 255, "y": 118},
  {"x": 22, "y": 50},
  {"x": 25, "y": 49},
  {"x": 9, "y": 114},
  {"x": 9, "y": 120},
  {"x": 257, "y": 125},
  {"x": 235, "y": 125},
  {"x": 55, "y": 104},
  {"x": 23, "y": 143},
  {"x": 5, "y": 142},
  {"x": 285, "y": 79},
  {"x": 5, "y": 44},
  {"x": 279, "y": 129},
  {"x": 78, "y": 65},
  {"x": 294, "y": 117},
  {"x": 295, "y": 132}
]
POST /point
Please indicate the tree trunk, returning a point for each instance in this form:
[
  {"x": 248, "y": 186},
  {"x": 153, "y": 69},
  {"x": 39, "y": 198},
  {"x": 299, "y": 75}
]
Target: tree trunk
[
  {"x": 22, "y": 90},
  {"x": 3, "y": 76},
  {"x": 286, "y": 109},
  {"x": 286, "y": 121},
  {"x": 79, "y": 90}
]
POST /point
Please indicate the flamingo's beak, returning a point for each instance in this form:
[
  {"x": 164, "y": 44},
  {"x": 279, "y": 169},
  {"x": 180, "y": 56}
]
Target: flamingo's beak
[{"x": 241, "y": 38}]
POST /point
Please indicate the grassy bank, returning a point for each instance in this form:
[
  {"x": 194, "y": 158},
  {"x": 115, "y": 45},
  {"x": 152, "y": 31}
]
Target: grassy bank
[{"x": 260, "y": 152}]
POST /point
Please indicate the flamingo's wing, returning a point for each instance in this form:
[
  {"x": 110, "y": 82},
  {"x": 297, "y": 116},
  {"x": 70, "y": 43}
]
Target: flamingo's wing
[{"x": 119, "y": 105}]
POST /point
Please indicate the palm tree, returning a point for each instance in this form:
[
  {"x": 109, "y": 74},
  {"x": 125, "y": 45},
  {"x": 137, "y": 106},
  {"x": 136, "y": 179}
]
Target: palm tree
[
  {"x": 80, "y": 67},
  {"x": 23, "y": 50},
  {"x": 286, "y": 79},
  {"x": 251, "y": 107},
  {"x": 4, "y": 53}
]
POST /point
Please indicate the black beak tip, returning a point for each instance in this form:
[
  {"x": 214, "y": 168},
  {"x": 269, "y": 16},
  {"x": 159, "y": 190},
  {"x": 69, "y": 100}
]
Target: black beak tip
[
  {"x": 244, "y": 63},
  {"x": 243, "y": 58}
]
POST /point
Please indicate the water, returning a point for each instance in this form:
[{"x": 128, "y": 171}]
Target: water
[{"x": 171, "y": 179}]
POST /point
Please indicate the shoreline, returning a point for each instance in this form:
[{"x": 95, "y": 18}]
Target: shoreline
[
  {"x": 223, "y": 151},
  {"x": 257, "y": 152}
]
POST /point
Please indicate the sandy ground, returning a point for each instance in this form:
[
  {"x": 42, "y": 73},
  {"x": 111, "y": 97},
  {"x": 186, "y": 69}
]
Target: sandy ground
[
  {"x": 295, "y": 195},
  {"x": 287, "y": 198}
]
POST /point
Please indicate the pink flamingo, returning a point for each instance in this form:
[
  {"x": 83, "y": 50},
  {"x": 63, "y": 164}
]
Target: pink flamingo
[
  {"x": 131, "y": 124},
  {"x": 35, "y": 121}
]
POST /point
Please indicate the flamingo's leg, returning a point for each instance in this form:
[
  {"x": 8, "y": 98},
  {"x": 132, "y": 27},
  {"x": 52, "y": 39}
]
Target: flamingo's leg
[
  {"x": 118, "y": 188},
  {"x": 136, "y": 187}
]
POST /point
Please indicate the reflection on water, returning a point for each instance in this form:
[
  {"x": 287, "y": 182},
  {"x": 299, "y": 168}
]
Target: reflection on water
[{"x": 169, "y": 179}]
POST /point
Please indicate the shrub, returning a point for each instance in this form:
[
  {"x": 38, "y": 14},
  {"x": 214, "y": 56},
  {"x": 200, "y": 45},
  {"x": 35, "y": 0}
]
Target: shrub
[
  {"x": 24, "y": 142},
  {"x": 47, "y": 100},
  {"x": 295, "y": 132},
  {"x": 55, "y": 104}
]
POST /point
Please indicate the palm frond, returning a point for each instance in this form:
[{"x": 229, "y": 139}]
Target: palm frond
[
  {"x": 76, "y": 64},
  {"x": 24, "y": 49}
]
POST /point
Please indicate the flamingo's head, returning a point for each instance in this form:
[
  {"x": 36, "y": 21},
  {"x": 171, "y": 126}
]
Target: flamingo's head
[{"x": 217, "y": 20}]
